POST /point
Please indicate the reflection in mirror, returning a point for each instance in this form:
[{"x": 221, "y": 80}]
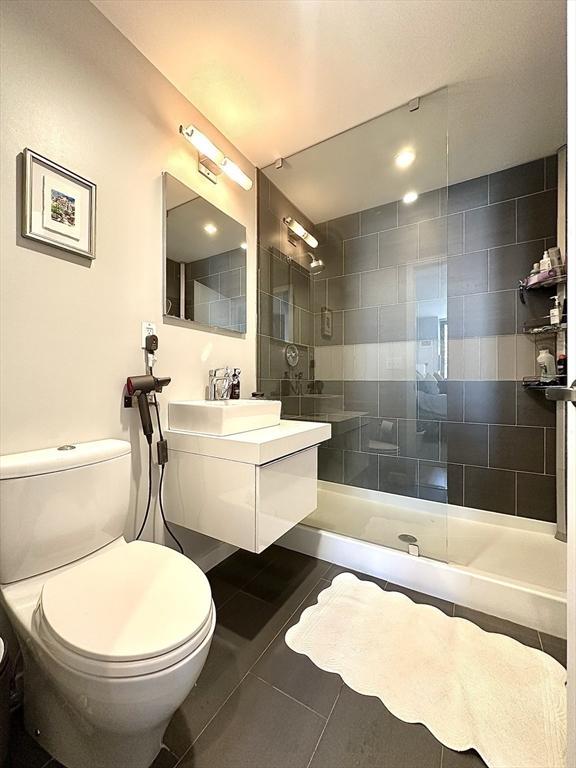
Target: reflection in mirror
[{"x": 205, "y": 261}]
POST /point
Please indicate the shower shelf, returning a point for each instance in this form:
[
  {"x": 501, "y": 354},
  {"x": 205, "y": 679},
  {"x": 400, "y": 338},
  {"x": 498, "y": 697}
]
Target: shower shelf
[
  {"x": 533, "y": 382},
  {"x": 546, "y": 329}
]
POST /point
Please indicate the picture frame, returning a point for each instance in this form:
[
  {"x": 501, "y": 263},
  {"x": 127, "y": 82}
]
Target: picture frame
[{"x": 58, "y": 206}]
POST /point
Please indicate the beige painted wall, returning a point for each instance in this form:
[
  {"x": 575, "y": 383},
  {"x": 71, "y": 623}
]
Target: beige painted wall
[{"x": 75, "y": 90}]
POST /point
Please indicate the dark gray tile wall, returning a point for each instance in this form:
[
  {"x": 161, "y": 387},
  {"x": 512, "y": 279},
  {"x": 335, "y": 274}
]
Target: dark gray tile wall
[
  {"x": 215, "y": 290},
  {"x": 173, "y": 287},
  {"x": 389, "y": 270}
]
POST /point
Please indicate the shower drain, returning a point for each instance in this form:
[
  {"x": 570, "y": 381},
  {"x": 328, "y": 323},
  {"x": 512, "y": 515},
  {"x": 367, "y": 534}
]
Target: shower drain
[{"x": 407, "y": 538}]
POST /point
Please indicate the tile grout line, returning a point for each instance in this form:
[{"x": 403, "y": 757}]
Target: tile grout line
[
  {"x": 324, "y": 728},
  {"x": 233, "y": 691},
  {"x": 288, "y": 696}
]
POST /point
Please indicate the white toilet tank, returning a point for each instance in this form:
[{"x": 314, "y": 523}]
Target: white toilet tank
[{"x": 60, "y": 504}]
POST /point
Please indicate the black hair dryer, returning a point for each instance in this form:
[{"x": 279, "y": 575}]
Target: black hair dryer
[{"x": 140, "y": 387}]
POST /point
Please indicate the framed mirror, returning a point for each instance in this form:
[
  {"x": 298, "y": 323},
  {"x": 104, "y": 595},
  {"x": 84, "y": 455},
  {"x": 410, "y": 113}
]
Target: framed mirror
[{"x": 204, "y": 262}]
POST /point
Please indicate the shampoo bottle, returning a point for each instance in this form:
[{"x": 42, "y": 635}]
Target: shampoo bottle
[{"x": 556, "y": 311}]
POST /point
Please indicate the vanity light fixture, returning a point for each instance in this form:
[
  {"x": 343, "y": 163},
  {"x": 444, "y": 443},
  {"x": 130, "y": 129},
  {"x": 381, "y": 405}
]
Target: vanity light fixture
[
  {"x": 410, "y": 197},
  {"x": 212, "y": 161},
  {"x": 299, "y": 230},
  {"x": 405, "y": 158},
  {"x": 210, "y": 229}
]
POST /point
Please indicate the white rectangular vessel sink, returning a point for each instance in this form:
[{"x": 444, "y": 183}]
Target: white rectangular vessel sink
[{"x": 223, "y": 417}]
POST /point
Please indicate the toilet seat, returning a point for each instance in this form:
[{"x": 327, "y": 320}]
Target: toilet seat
[{"x": 132, "y": 611}]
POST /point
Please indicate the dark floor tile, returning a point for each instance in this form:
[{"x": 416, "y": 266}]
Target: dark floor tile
[
  {"x": 165, "y": 759},
  {"x": 554, "y": 646},
  {"x": 24, "y": 752},
  {"x": 419, "y": 597},
  {"x": 287, "y": 580},
  {"x": 468, "y": 194},
  {"x": 258, "y": 727},
  {"x": 335, "y": 570},
  {"x": 490, "y": 489},
  {"x": 517, "y": 181},
  {"x": 468, "y": 759},
  {"x": 520, "y": 448},
  {"x": 536, "y": 496},
  {"x": 490, "y": 402},
  {"x": 490, "y": 623},
  {"x": 362, "y": 733},
  {"x": 490, "y": 226},
  {"x": 238, "y": 569},
  {"x": 297, "y": 676},
  {"x": 537, "y": 216},
  {"x": 222, "y": 590}
]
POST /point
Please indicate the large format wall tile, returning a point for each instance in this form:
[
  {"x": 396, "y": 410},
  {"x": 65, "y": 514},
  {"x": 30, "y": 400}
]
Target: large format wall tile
[
  {"x": 537, "y": 216},
  {"x": 519, "y": 448},
  {"x": 490, "y": 489},
  {"x": 361, "y": 326},
  {"x": 468, "y": 273},
  {"x": 361, "y": 396},
  {"x": 419, "y": 439},
  {"x": 398, "y": 475},
  {"x": 468, "y": 194},
  {"x": 361, "y": 470},
  {"x": 361, "y": 254},
  {"x": 490, "y": 227},
  {"x": 398, "y": 246},
  {"x": 465, "y": 443},
  {"x": 397, "y": 399},
  {"x": 536, "y": 496},
  {"x": 427, "y": 206},
  {"x": 490, "y": 402},
  {"x": 378, "y": 219},
  {"x": 378, "y": 287},
  {"x": 517, "y": 181},
  {"x": 510, "y": 263},
  {"x": 490, "y": 314},
  {"x": 397, "y": 323},
  {"x": 344, "y": 292}
]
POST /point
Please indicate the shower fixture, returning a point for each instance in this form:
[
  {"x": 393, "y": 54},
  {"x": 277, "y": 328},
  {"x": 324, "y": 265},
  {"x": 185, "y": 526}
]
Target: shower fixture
[
  {"x": 316, "y": 264},
  {"x": 299, "y": 230}
]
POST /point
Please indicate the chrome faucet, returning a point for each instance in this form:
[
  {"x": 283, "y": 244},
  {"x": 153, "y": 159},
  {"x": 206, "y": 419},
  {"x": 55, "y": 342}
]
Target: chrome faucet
[{"x": 220, "y": 383}]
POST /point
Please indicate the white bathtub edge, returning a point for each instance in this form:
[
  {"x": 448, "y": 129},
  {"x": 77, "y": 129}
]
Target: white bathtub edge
[{"x": 543, "y": 610}]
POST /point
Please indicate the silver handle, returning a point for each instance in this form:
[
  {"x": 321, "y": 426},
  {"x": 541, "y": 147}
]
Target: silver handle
[{"x": 564, "y": 394}]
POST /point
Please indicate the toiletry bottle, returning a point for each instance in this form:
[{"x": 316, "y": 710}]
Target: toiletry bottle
[
  {"x": 535, "y": 268},
  {"x": 562, "y": 367},
  {"x": 547, "y": 366},
  {"x": 235, "y": 389},
  {"x": 545, "y": 262},
  {"x": 556, "y": 311}
]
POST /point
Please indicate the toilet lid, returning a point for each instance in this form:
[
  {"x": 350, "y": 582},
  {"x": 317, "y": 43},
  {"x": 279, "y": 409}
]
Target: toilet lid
[{"x": 135, "y": 602}]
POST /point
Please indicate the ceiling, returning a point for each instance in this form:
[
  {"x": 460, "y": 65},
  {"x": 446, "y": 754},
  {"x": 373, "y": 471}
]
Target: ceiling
[
  {"x": 187, "y": 215},
  {"x": 277, "y": 76}
]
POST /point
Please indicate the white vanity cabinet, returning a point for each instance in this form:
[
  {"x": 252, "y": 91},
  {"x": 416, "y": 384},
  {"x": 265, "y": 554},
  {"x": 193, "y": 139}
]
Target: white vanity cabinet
[{"x": 246, "y": 489}]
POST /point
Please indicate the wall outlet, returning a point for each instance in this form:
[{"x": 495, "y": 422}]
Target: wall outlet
[{"x": 148, "y": 329}]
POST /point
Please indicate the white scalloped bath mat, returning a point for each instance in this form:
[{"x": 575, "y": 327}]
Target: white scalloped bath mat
[{"x": 472, "y": 689}]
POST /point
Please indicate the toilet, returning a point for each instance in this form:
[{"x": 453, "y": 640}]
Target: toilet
[{"x": 113, "y": 634}]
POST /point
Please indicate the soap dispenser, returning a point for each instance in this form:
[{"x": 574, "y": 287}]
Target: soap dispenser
[{"x": 556, "y": 311}]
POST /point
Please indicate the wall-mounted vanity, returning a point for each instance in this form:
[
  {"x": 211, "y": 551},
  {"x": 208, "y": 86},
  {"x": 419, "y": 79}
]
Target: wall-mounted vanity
[{"x": 248, "y": 488}]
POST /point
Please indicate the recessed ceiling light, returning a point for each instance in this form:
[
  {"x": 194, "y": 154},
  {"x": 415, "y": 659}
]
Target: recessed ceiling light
[
  {"x": 405, "y": 158},
  {"x": 410, "y": 197},
  {"x": 210, "y": 229},
  {"x": 244, "y": 246}
]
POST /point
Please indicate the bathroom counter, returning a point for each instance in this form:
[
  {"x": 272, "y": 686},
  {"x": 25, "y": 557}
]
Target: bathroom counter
[{"x": 257, "y": 447}]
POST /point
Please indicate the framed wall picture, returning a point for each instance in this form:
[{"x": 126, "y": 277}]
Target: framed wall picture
[{"x": 58, "y": 207}]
